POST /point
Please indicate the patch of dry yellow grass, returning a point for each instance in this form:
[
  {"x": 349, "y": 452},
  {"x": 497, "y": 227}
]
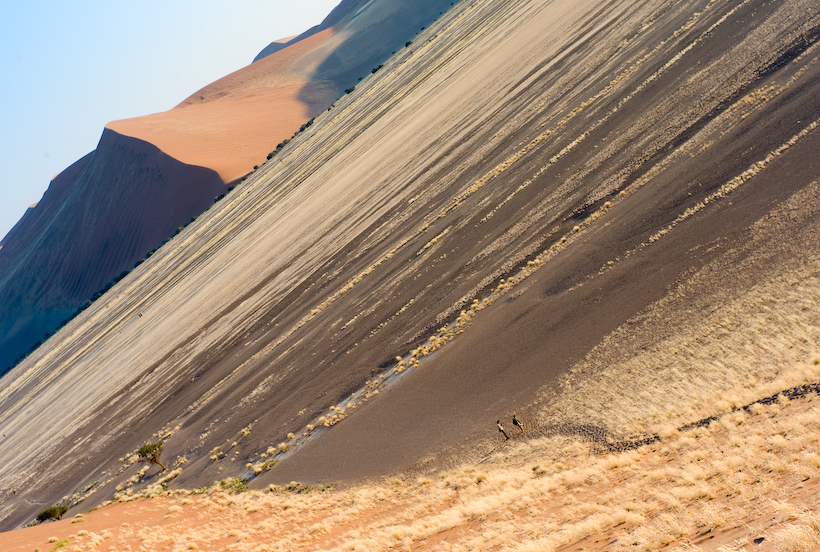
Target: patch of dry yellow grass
[
  {"x": 744, "y": 477},
  {"x": 741, "y": 328}
]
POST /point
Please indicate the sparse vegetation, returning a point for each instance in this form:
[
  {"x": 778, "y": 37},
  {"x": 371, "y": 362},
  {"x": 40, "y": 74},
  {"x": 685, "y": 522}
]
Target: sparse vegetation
[
  {"x": 741, "y": 479},
  {"x": 151, "y": 452},
  {"x": 234, "y": 485}
]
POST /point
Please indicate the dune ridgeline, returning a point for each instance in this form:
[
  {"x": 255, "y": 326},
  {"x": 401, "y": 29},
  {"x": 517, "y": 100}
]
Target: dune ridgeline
[
  {"x": 153, "y": 175},
  {"x": 600, "y": 217}
]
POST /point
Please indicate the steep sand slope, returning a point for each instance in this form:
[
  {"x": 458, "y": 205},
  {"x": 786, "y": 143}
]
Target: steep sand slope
[
  {"x": 746, "y": 479},
  {"x": 228, "y": 127},
  {"x": 231, "y": 125},
  {"x": 510, "y": 139},
  {"x": 70, "y": 246}
]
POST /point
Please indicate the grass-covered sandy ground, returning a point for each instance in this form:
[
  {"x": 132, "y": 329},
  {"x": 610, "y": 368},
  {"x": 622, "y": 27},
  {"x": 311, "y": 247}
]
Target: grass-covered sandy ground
[{"x": 748, "y": 475}]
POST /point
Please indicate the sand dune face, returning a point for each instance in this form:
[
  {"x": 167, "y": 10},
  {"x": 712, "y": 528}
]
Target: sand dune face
[
  {"x": 232, "y": 124},
  {"x": 593, "y": 157},
  {"x": 68, "y": 247},
  {"x": 227, "y": 127}
]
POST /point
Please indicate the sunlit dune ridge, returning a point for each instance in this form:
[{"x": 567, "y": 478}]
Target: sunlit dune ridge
[{"x": 231, "y": 125}]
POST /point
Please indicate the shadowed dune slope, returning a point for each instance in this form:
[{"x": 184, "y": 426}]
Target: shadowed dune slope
[
  {"x": 97, "y": 219},
  {"x": 341, "y": 13},
  {"x": 564, "y": 167}
]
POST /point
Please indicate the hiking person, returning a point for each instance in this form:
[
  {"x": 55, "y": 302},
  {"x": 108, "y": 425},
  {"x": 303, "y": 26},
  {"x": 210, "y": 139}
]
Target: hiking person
[
  {"x": 517, "y": 423},
  {"x": 501, "y": 429}
]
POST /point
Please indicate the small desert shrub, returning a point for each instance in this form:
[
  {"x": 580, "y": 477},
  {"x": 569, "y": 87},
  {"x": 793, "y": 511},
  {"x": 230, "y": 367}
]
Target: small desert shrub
[
  {"x": 234, "y": 485},
  {"x": 151, "y": 452},
  {"x": 52, "y": 512}
]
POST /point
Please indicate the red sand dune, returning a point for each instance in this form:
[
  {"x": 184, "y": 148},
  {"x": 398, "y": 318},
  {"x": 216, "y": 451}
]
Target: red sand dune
[{"x": 231, "y": 125}]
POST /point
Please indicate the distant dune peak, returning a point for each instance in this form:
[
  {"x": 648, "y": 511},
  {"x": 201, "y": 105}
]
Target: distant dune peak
[
  {"x": 342, "y": 13},
  {"x": 232, "y": 124}
]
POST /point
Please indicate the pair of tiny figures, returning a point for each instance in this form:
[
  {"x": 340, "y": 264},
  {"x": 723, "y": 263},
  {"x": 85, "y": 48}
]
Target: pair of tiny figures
[{"x": 516, "y": 422}]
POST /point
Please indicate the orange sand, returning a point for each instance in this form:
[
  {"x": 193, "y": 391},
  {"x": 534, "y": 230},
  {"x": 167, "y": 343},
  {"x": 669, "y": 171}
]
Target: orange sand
[
  {"x": 285, "y": 40},
  {"x": 232, "y": 124},
  {"x": 667, "y": 493}
]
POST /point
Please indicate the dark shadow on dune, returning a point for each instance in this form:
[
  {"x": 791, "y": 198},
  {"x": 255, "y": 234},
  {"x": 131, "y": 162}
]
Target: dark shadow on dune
[
  {"x": 375, "y": 32},
  {"x": 67, "y": 249},
  {"x": 341, "y": 13}
]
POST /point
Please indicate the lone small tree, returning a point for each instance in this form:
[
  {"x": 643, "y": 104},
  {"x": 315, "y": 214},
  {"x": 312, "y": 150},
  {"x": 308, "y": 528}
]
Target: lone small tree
[{"x": 150, "y": 452}]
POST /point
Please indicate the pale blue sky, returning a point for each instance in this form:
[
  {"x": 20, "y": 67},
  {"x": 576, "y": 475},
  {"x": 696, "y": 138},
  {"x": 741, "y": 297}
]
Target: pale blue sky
[{"x": 68, "y": 68}]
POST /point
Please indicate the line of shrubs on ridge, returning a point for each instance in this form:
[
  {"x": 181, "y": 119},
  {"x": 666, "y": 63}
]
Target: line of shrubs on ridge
[
  {"x": 281, "y": 145},
  {"x": 149, "y": 452}
]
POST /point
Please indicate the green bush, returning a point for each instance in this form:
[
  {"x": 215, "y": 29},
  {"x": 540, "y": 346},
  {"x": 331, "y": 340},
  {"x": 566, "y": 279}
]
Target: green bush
[
  {"x": 234, "y": 485},
  {"x": 151, "y": 452},
  {"x": 52, "y": 512}
]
